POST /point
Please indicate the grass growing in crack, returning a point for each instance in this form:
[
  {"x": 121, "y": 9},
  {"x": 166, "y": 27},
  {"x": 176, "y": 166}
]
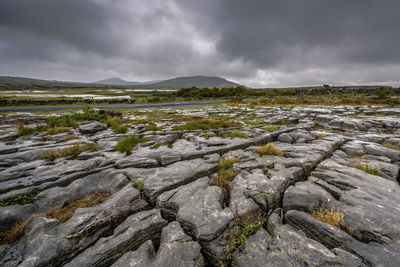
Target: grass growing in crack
[
  {"x": 239, "y": 231},
  {"x": 16, "y": 232},
  {"x": 127, "y": 143},
  {"x": 395, "y": 146},
  {"x": 235, "y": 133},
  {"x": 270, "y": 129},
  {"x": 138, "y": 184},
  {"x": 71, "y": 137},
  {"x": 269, "y": 149},
  {"x": 366, "y": 168},
  {"x": 206, "y": 124},
  {"x": 20, "y": 200},
  {"x": 162, "y": 144},
  {"x": 333, "y": 216},
  {"x": 321, "y": 135},
  {"x": 152, "y": 127},
  {"x": 116, "y": 124},
  {"x": 225, "y": 176},
  {"x": 64, "y": 213},
  {"x": 73, "y": 151}
]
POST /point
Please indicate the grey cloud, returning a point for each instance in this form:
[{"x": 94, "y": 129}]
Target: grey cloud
[{"x": 260, "y": 43}]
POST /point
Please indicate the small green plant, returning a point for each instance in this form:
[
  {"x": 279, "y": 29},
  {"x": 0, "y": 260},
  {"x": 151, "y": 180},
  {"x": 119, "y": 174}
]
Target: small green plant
[
  {"x": 152, "y": 127},
  {"x": 20, "y": 200},
  {"x": 269, "y": 149},
  {"x": 57, "y": 130},
  {"x": 235, "y": 133},
  {"x": 227, "y": 163},
  {"x": 242, "y": 227},
  {"x": 127, "y": 143},
  {"x": 138, "y": 184},
  {"x": 270, "y": 129},
  {"x": 22, "y": 131},
  {"x": 116, "y": 124},
  {"x": 73, "y": 151}
]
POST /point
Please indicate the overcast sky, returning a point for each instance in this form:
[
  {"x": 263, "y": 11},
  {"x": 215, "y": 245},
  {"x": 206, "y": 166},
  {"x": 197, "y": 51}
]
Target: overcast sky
[{"x": 259, "y": 43}]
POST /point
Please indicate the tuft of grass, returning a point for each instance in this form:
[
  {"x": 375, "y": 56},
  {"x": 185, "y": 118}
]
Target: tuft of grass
[
  {"x": 395, "y": 146},
  {"x": 271, "y": 165},
  {"x": 73, "y": 151},
  {"x": 269, "y": 149},
  {"x": 366, "y": 168},
  {"x": 127, "y": 143},
  {"x": 206, "y": 124},
  {"x": 333, "y": 216},
  {"x": 208, "y": 135},
  {"x": 16, "y": 232},
  {"x": 235, "y": 133},
  {"x": 152, "y": 127},
  {"x": 22, "y": 131},
  {"x": 162, "y": 144},
  {"x": 321, "y": 135},
  {"x": 239, "y": 231},
  {"x": 116, "y": 124},
  {"x": 225, "y": 176},
  {"x": 57, "y": 130},
  {"x": 71, "y": 137},
  {"x": 64, "y": 213},
  {"x": 270, "y": 129},
  {"x": 138, "y": 184},
  {"x": 227, "y": 163}
]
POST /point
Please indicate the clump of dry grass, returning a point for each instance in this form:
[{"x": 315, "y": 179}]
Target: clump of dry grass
[
  {"x": 269, "y": 149},
  {"x": 73, "y": 151},
  {"x": 333, "y": 216},
  {"x": 392, "y": 146},
  {"x": 71, "y": 137},
  {"x": 64, "y": 213},
  {"x": 321, "y": 135},
  {"x": 16, "y": 232},
  {"x": 225, "y": 176}
]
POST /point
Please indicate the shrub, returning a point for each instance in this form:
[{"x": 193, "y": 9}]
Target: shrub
[
  {"x": 73, "y": 151},
  {"x": 22, "y": 131},
  {"x": 333, "y": 216},
  {"x": 227, "y": 163},
  {"x": 127, "y": 143},
  {"x": 269, "y": 149},
  {"x": 225, "y": 176},
  {"x": 64, "y": 213},
  {"x": 381, "y": 93}
]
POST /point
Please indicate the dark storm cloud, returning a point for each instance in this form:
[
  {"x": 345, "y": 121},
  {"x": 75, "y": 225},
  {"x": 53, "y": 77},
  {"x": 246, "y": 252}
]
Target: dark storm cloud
[{"x": 261, "y": 43}]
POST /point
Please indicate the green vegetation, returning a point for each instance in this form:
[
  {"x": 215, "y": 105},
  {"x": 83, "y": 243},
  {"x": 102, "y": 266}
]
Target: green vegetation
[
  {"x": 67, "y": 211},
  {"x": 162, "y": 144},
  {"x": 239, "y": 231},
  {"x": 205, "y": 124},
  {"x": 73, "y": 151},
  {"x": 269, "y": 149},
  {"x": 395, "y": 146},
  {"x": 20, "y": 200},
  {"x": 116, "y": 124},
  {"x": 127, "y": 143},
  {"x": 152, "y": 127},
  {"x": 225, "y": 176},
  {"x": 138, "y": 184},
  {"x": 366, "y": 168},
  {"x": 234, "y": 133}
]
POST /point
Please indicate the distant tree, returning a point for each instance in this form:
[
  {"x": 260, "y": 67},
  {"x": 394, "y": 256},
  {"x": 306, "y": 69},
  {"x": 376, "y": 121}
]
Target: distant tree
[{"x": 381, "y": 93}]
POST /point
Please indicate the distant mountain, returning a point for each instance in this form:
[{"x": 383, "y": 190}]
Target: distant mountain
[
  {"x": 198, "y": 81},
  {"x": 21, "y": 83},
  {"x": 115, "y": 81},
  {"x": 175, "y": 83}
]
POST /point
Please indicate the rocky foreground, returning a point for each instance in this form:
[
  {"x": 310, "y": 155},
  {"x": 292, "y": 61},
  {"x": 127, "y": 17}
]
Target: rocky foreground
[{"x": 326, "y": 193}]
